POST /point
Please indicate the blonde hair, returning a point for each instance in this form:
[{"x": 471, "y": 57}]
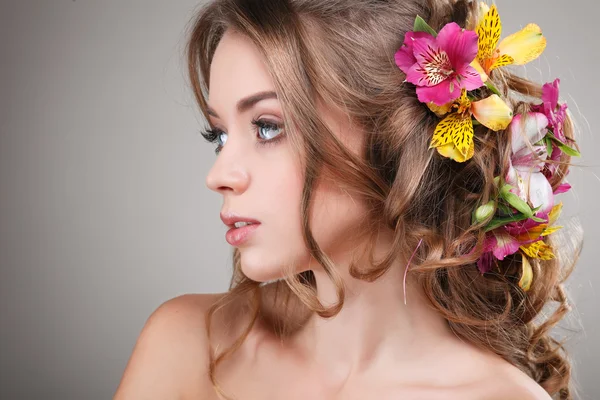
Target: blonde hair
[{"x": 342, "y": 53}]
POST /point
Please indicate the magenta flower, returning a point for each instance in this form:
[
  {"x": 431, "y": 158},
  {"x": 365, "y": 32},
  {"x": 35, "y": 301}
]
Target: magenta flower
[
  {"x": 440, "y": 66},
  {"x": 556, "y": 113}
]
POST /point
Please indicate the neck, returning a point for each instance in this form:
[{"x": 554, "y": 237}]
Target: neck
[{"x": 374, "y": 323}]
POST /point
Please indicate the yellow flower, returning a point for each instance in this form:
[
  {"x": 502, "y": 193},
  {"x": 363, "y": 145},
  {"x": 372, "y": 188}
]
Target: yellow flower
[
  {"x": 453, "y": 136},
  {"x": 539, "y": 249},
  {"x": 518, "y": 48}
]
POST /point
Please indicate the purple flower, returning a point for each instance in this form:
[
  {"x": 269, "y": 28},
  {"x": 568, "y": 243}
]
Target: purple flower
[{"x": 440, "y": 66}]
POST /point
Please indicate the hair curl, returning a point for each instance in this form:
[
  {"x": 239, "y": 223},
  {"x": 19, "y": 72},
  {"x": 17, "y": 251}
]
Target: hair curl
[{"x": 341, "y": 52}]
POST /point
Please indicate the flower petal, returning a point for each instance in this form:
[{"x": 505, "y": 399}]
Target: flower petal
[
  {"x": 451, "y": 152},
  {"x": 477, "y": 66},
  {"x": 488, "y": 31},
  {"x": 455, "y": 128},
  {"x": 441, "y": 94},
  {"x": 440, "y": 111},
  {"x": 539, "y": 191},
  {"x": 533, "y": 129},
  {"x": 550, "y": 93},
  {"x": 525, "y": 45},
  {"x": 469, "y": 78},
  {"x": 539, "y": 250},
  {"x": 562, "y": 188},
  {"x": 404, "y": 57},
  {"x": 555, "y": 213},
  {"x": 433, "y": 63},
  {"x": 505, "y": 245},
  {"x": 492, "y": 112},
  {"x": 526, "y": 274},
  {"x": 460, "y": 44},
  {"x": 501, "y": 61}
]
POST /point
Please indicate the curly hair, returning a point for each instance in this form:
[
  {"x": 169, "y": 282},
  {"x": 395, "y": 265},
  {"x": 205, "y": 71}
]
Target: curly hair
[{"x": 342, "y": 52}]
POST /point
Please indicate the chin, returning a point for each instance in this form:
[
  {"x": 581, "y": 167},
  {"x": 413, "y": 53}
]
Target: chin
[
  {"x": 262, "y": 268},
  {"x": 258, "y": 268}
]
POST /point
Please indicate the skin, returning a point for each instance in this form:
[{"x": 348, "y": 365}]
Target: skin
[{"x": 376, "y": 347}]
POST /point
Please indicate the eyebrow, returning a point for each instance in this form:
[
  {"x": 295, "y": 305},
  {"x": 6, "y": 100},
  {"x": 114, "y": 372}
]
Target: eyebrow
[{"x": 248, "y": 102}]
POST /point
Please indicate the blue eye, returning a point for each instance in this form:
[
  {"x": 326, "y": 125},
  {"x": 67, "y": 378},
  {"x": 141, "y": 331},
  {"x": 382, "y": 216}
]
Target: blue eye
[
  {"x": 268, "y": 133},
  {"x": 268, "y": 129}
]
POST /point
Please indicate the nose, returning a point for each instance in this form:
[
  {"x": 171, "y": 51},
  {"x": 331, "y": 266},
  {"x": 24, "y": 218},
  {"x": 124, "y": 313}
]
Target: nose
[{"x": 228, "y": 173}]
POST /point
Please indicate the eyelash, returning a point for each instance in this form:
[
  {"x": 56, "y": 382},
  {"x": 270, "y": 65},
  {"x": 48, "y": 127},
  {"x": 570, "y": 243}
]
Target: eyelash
[{"x": 212, "y": 135}]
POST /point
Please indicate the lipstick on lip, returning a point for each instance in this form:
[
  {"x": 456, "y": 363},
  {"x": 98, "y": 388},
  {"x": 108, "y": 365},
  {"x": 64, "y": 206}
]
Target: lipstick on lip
[{"x": 237, "y": 236}]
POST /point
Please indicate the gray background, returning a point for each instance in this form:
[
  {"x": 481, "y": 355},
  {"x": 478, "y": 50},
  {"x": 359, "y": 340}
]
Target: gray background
[{"x": 103, "y": 209}]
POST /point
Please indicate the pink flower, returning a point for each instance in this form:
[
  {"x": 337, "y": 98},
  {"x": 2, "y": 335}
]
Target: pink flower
[
  {"x": 556, "y": 113},
  {"x": 440, "y": 66}
]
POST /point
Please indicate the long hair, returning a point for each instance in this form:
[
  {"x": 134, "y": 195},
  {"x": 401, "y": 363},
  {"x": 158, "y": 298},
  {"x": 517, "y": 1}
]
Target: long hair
[{"x": 341, "y": 52}]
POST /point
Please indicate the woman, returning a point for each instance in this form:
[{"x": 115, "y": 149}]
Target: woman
[{"x": 364, "y": 150}]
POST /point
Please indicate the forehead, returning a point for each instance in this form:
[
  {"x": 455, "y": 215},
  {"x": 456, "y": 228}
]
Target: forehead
[{"x": 237, "y": 70}]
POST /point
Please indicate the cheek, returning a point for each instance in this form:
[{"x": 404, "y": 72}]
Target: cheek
[
  {"x": 335, "y": 218},
  {"x": 276, "y": 194}
]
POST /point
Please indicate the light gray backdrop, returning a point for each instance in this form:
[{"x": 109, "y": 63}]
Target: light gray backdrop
[{"x": 103, "y": 209}]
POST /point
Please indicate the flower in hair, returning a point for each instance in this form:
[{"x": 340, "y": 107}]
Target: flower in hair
[
  {"x": 518, "y": 48},
  {"x": 451, "y": 71},
  {"x": 453, "y": 136},
  {"x": 525, "y": 211},
  {"x": 439, "y": 64},
  {"x": 556, "y": 114}
]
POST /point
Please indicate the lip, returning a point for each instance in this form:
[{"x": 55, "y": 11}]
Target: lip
[
  {"x": 237, "y": 236},
  {"x": 230, "y": 218}
]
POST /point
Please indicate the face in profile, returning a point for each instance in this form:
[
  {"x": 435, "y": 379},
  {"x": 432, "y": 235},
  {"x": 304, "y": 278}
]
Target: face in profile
[{"x": 259, "y": 175}]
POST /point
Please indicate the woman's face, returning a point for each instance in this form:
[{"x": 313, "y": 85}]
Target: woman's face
[{"x": 261, "y": 178}]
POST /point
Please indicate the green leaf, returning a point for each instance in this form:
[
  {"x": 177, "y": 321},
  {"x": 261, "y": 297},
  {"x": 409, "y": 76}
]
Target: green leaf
[
  {"x": 422, "y": 26},
  {"x": 548, "y": 145},
  {"x": 493, "y": 88},
  {"x": 569, "y": 150},
  {"x": 501, "y": 221},
  {"x": 515, "y": 201},
  {"x": 504, "y": 209}
]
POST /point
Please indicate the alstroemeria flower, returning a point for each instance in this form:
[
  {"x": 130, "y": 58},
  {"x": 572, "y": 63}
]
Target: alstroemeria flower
[
  {"x": 556, "y": 114},
  {"x": 526, "y": 236},
  {"x": 525, "y": 167},
  {"x": 518, "y": 48},
  {"x": 453, "y": 136},
  {"x": 440, "y": 66}
]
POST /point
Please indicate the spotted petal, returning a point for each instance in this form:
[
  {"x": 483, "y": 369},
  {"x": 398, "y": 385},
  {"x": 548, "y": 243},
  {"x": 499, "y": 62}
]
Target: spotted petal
[
  {"x": 488, "y": 31},
  {"x": 451, "y": 152},
  {"x": 525, "y": 45},
  {"x": 433, "y": 64},
  {"x": 457, "y": 129}
]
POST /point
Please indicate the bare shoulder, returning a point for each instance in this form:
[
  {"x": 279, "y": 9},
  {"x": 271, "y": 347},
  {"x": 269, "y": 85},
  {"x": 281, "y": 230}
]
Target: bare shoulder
[
  {"x": 506, "y": 381},
  {"x": 171, "y": 351}
]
